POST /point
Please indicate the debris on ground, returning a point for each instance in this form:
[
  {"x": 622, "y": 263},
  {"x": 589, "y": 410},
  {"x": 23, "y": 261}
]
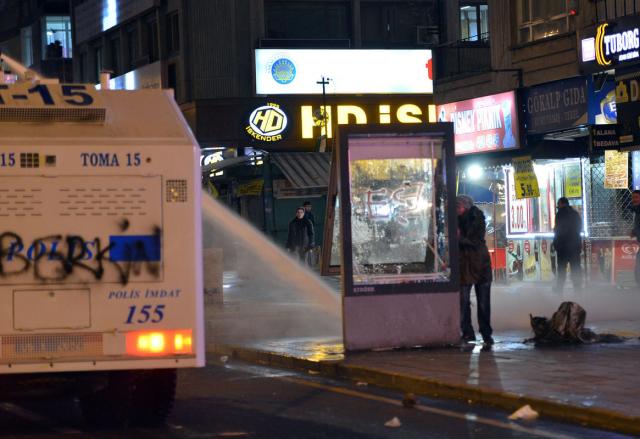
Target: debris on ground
[
  {"x": 409, "y": 400},
  {"x": 224, "y": 358},
  {"x": 524, "y": 413},
  {"x": 313, "y": 372},
  {"x": 361, "y": 384},
  {"x": 567, "y": 326},
  {"x": 393, "y": 423}
]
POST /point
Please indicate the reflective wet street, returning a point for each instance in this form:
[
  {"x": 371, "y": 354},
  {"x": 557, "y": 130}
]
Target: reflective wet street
[{"x": 233, "y": 399}]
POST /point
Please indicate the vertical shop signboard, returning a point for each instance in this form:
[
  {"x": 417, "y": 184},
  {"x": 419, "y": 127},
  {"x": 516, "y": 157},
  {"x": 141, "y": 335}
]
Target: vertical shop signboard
[
  {"x": 573, "y": 181},
  {"x": 635, "y": 170},
  {"x": 399, "y": 248},
  {"x": 616, "y": 169},
  {"x": 526, "y": 182},
  {"x": 628, "y": 106},
  {"x": 518, "y": 209}
]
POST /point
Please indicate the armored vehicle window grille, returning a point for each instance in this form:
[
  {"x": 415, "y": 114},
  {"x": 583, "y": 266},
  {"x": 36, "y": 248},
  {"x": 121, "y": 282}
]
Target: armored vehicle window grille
[
  {"x": 52, "y": 115},
  {"x": 38, "y": 346},
  {"x": 176, "y": 191},
  {"x": 29, "y": 160}
]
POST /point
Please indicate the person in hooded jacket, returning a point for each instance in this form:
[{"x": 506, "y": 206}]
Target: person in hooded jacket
[
  {"x": 475, "y": 269},
  {"x": 301, "y": 237},
  {"x": 568, "y": 244}
]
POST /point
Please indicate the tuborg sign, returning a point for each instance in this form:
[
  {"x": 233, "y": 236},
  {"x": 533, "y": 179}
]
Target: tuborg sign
[{"x": 613, "y": 44}]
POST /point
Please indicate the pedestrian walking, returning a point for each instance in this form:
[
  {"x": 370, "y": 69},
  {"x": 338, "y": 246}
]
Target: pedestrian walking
[
  {"x": 475, "y": 269},
  {"x": 308, "y": 214},
  {"x": 568, "y": 244},
  {"x": 635, "y": 232},
  {"x": 301, "y": 237}
]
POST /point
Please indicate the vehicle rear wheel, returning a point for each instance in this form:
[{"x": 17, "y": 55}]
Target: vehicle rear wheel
[
  {"x": 111, "y": 405},
  {"x": 153, "y": 396}
]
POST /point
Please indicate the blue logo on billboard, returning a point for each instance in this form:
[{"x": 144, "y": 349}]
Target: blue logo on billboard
[{"x": 283, "y": 71}]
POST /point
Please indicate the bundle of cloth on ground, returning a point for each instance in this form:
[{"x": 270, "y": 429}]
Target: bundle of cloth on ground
[{"x": 567, "y": 326}]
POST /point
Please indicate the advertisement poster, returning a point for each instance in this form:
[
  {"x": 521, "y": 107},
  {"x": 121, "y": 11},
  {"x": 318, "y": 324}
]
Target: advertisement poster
[
  {"x": 526, "y": 182},
  {"x": 555, "y": 106},
  {"x": 573, "y": 181},
  {"x": 624, "y": 258},
  {"x": 547, "y": 266},
  {"x": 601, "y": 261},
  {"x": 530, "y": 260},
  {"x": 514, "y": 260},
  {"x": 616, "y": 170},
  {"x": 483, "y": 124},
  {"x": 602, "y": 103}
]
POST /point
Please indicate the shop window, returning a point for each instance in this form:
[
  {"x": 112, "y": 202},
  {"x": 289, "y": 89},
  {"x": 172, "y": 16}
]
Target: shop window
[
  {"x": 56, "y": 37},
  {"x": 98, "y": 66},
  {"x": 173, "y": 33},
  {"x": 307, "y": 20},
  {"x": 26, "y": 43},
  {"x": 396, "y": 24},
  {"x": 133, "y": 52},
  {"x": 474, "y": 22},
  {"x": 539, "y": 19},
  {"x": 172, "y": 79},
  {"x": 82, "y": 67},
  {"x": 151, "y": 43}
]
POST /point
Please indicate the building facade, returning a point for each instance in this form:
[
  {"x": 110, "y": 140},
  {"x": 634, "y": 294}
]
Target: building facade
[
  {"x": 205, "y": 50},
  {"x": 563, "y": 63},
  {"x": 38, "y": 34}
]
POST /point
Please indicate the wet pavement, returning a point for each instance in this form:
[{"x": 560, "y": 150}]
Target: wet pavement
[{"x": 599, "y": 377}]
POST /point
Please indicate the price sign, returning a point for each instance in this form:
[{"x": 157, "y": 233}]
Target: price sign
[
  {"x": 573, "y": 181},
  {"x": 518, "y": 210},
  {"x": 526, "y": 182}
]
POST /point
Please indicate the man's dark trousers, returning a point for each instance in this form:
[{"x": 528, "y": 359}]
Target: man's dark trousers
[{"x": 483, "y": 298}]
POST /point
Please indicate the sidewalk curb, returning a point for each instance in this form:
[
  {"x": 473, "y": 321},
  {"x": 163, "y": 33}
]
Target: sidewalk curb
[{"x": 585, "y": 416}]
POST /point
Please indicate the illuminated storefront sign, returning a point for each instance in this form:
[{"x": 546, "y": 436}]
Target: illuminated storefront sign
[
  {"x": 311, "y": 118},
  {"x": 298, "y": 71},
  {"x": 613, "y": 44},
  {"x": 267, "y": 123},
  {"x": 483, "y": 124}
]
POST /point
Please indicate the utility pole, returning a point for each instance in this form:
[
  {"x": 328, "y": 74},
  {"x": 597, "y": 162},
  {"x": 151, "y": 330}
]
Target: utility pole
[{"x": 324, "y": 82}]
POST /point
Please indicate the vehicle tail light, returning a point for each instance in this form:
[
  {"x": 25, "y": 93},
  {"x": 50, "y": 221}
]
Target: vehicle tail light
[{"x": 156, "y": 343}]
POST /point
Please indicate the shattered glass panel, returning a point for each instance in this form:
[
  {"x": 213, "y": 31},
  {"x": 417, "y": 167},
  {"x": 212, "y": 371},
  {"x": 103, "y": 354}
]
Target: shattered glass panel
[{"x": 398, "y": 227}]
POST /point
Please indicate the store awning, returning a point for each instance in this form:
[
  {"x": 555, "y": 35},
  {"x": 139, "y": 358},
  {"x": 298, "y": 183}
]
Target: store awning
[{"x": 304, "y": 170}]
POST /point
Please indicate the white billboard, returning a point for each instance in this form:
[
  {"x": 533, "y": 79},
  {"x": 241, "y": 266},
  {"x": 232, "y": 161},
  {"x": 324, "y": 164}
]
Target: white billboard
[{"x": 299, "y": 71}]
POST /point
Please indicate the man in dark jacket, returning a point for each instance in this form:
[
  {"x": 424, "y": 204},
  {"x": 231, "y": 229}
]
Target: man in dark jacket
[
  {"x": 475, "y": 269},
  {"x": 308, "y": 214},
  {"x": 301, "y": 237},
  {"x": 568, "y": 244},
  {"x": 635, "y": 232}
]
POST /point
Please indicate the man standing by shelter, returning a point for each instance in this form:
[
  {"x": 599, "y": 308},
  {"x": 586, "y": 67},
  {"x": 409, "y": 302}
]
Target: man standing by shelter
[
  {"x": 475, "y": 269},
  {"x": 568, "y": 244}
]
